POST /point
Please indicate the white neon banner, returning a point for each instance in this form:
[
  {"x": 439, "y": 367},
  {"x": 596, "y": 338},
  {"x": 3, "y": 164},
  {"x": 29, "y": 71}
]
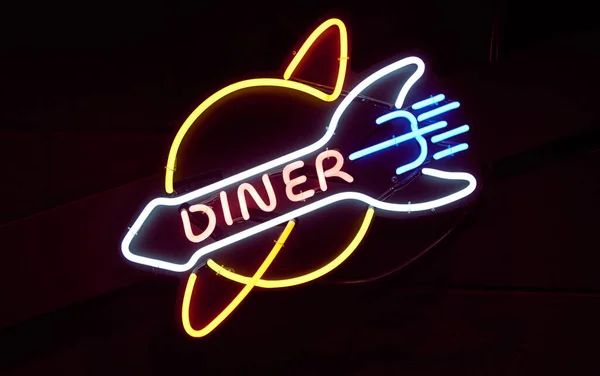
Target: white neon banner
[{"x": 296, "y": 155}]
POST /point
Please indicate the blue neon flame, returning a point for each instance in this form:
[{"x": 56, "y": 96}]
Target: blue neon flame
[
  {"x": 437, "y": 111},
  {"x": 450, "y": 151},
  {"x": 428, "y": 102},
  {"x": 450, "y": 133},
  {"x": 414, "y": 128},
  {"x": 417, "y": 133},
  {"x": 387, "y": 117},
  {"x": 397, "y": 140}
]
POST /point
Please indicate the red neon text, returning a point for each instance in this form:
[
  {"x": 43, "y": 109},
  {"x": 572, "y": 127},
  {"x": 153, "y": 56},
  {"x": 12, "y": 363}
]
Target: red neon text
[{"x": 271, "y": 203}]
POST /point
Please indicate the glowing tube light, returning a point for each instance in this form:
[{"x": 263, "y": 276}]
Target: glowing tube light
[
  {"x": 187, "y": 226},
  {"x": 187, "y": 124},
  {"x": 451, "y": 133},
  {"x": 439, "y": 110},
  {"x": 394, "y": 115},
  {"x": 247, "y": 187},
  {"x": 415, "y": 128},
  {"x": 393, "y": 207},
  {"x": 298, "y": 154},
  {"x": 187, "y": 297},
  {"x": 450, "y": 151},
  {"x": 428, "y": 102},
  {"x": 396, "y": 140},
  {"x": 337, "y": 90},
  {"x": 280, "y": 283},
  {"x": 335, "y": 171},
  {"x": 417, "y": 162},
  {"x": 273, "y": 82},
  {"x": 291, "y": 183}
]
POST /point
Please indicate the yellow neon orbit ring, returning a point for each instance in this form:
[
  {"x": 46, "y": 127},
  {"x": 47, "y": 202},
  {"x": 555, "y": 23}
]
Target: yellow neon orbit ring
[
  {"x": 339, "y": 82},
  {"x": 187, "y": 297},
  {"x": 256, "y": 280},
  {"x": 273, "y": 82},
  {"x": 280, "y": 283}
]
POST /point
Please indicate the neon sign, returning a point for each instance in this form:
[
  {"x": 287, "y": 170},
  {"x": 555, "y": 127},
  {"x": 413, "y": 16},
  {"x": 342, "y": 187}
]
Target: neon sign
[{"x": 299, "y": 196}]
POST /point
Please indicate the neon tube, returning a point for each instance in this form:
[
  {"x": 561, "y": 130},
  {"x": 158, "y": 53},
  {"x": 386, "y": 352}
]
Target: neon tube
[
  {"x": 225, "y": 207},
  {"x": 187, "y": 297},
  {"x": 393, "y": 207},
  {"x": 291, "y": 183},
  {"x": 187, "y": 124},
  {"x": 187, "y": 227},
  {"x": 298, "y": 154},
  {"x": 280, "y": 283},
  {"x": 450, "y": 151},
  {"x": 414, "y": 128},
  {"x": 423, "y": 146},
  {"x": 258, "y": 169},
  {"x": 272, "y": 82},
  {"x": 450, "y": 133},
  {"x": 336, "y": 170},
  {"x": 428, "y": 102},
  {"x": 439, "y": 110},
  {"x": 339, "y": 83},
  {"x": 396, "y": 140},
  {"x": 247, "y": 187}
]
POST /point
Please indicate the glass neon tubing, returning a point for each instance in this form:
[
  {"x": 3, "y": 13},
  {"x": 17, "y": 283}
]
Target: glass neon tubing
[
  {"x": 265, "y": 166},
  {"x": 450, "y": 133},
  {"x": 438, "y": 111},
  {"x": 288, "y": 282},
  {"x": 428, "y": 102},
  {"x": 273, "y": 82},
  {"x": 419, "y": 138},
  {"x": 339, "y": 83},
  {"x": 450, "y": 151},
  {"x": 393, "y": 207},
  {"x": 187, "y": 296},
  {"x": 301, "y": 152},
  {"x": 396, "y": 140}
]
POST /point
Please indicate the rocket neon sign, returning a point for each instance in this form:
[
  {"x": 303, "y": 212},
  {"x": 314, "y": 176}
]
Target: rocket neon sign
[{"x": 423, "y": 117}]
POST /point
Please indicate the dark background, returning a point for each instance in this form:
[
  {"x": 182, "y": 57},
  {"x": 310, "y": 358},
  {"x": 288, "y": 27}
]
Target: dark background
[{"x": 93, "y": 94}]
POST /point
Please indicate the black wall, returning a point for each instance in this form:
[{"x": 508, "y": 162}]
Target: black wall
[{"x": 92, "y": 96}]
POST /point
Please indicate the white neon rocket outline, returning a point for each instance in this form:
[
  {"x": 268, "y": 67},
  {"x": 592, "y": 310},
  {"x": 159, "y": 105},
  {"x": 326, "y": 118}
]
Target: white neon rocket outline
[{"x": 407, "y": 208}]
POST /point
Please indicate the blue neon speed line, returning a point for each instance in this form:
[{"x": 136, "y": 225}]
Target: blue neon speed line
[
  {"x": 450, "y": 133},
  {"x": 422, "y": 142},
  {"x": 428, "y": 102},
  {"x": 396, "y": 140},
  {"x": 450, "y": 151},
  {"x": 437, "y": 111}
]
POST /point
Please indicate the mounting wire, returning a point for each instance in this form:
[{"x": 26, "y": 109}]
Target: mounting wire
[
  {"x": 406, "y": 263},
  {"x": 387, "y": 194},
  {"x": 404, "y": 183},
  {"x": 361, "y": 97}
]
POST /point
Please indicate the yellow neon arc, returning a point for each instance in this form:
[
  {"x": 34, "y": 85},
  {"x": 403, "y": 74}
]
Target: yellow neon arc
[
  {"x": 272, "y": 82},
  {"x": 343, "y": 55},
  {"x": 187, "y": 297},
  {"x": 250, "y": 282},
  {"x": 271, "y": 284}
]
